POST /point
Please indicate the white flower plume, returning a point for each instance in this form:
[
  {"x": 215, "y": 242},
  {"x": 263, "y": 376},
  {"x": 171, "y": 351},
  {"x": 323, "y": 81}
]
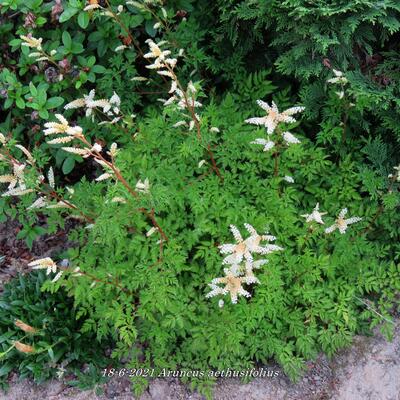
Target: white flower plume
[
  {"x": 240, "y": 272},
  {"x": 268, "y": 144},
  {"x": 30, "y": 41},
  {"x": 44, "y": 263},
  {"x": 143, "y": 187},
  {"x": 339, "y": 78},
  {"x": 342, "y": 224},
  {"x": 315, "y": 215},
  {"x": 62, "y": 127},
  {"x": 274, "y": 117},
  {"x": 159, "y": 56},
  {"x": 109, "y": 107},
  {"x": 232, "y": 285},
  {"x": 289, "y": 138},
  {"x": 245, "y": 248}
]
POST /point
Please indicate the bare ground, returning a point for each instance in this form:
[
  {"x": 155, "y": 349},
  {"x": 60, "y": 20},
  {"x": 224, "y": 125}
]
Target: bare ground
[{"x": 16, "y": 253}]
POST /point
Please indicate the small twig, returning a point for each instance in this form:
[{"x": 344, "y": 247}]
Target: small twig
[
  {"x": 133, "y": 192},
  {"x": 191, "y": 108},
  {"x": 373, "y": 310},
  {"x": 214, "y": 165},
  {"x": 14, "y": 15},
  {"x": 276, "y": 163},
  {"x": 117, "y": 285}
]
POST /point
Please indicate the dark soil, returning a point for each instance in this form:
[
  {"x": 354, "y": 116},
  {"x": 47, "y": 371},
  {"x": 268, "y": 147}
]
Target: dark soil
[{"x": 16, "y": 253}]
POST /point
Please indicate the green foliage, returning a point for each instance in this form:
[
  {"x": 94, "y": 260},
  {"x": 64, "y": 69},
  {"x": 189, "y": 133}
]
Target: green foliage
[
  {"x": 308, "y": 298},
  {"x": 60, "y": 346},
  {"x": 146, "y": 254},
  {"x": 304, "y": 41}
]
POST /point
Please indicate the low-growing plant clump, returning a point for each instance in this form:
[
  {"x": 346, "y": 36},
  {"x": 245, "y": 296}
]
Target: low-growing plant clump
[
  {"x": 130, "y": 128},
  {"x": 40, "y": 334}
]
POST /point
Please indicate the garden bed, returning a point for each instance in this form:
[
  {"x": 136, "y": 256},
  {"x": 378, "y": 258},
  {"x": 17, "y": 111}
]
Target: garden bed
[{"x": 202, "y": 194}]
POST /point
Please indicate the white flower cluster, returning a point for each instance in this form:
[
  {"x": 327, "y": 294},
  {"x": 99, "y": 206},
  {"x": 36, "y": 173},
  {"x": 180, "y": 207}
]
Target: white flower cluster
[
  {"x": 36, "y": 44},
  {"x": 271, "y": 120},
  {"x": 340, "y": 223},
  {"x": 315, "y": 215},
  {"x": 242, "y": 265},
  {"x": 62, "y": 127},
  {"x": 88, "y": 150},
  {"x": 110, "y": 107},
  {"x": 17, "y": 182},
  {"x": 396, "y": 175},
  {"x": 184, "y": 99},
  {"x": 49, "y": 265},
  {"x": 31, "y": 42},
  {"x": 161, "y": 59},
  {"x": 339, "y": 79},
  {"x": 143, "y": 187},
  {"x": 16, "y": 179}
]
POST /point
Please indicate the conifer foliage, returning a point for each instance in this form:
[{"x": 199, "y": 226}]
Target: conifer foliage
[{"x": 163, "y": 147}]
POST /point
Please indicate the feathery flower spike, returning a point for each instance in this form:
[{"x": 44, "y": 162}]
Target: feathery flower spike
[
  {"x": 157, "y": 54},
  {"x": 104, "y": 176},
  {"x": 143, "y": 187},
  {"x": 62, "y": 127},
  {"x": 339, "y": 78},
  {"x": 288, "y": 179},
  {"x": 249, "y": 270},
  {"x": 315, "y": 215},
  {"x": 50, "y": 177},
  {"x": 245, "y": 248},
  {"x": 25, "y": 327},
  {"x": 274, "y": 117},
  {"x": 342, "y": 224},
  {"x": 233, "y": 286},
  {"x": 38, "y": 203},
  {"x": 23, "y": 348},
  {"x": 75, "y": 150},
  {"x": 92, "y": 7},
  {"x": 268, "y": 144},
  {"x": 253, "y": 242},
  {"x": 19, "y": 191},
  {"x": 44, "y": 263},
  {"x": 289, "y": 138},
  {"x": 236, "y": 251},
  {"x": 89, "y": 102},
  {"x": 30, "y": 41}
]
